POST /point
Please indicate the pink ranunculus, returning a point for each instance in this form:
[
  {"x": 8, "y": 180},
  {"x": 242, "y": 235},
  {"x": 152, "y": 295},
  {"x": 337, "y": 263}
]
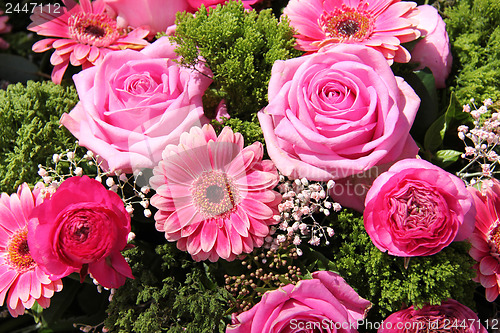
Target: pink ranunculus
[
  {"x": 153, "y": 15},
  {"x": 485, "y": 239},
  {"x": 335, "y": 114},
  {"x": 134, "y": 104},
  {"x": 450, "y": 316},
  {"x": 81, "y": 228},
  {"x": 417, "y": 209},
  {"x": 433, "y": 50},
  {"x": 325, "y": 303}
]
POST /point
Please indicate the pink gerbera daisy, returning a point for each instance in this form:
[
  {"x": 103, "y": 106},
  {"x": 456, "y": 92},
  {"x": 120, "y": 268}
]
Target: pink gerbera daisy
[
  {"x": 485, "y": 239},
  {"x": 215, "y": 197},
  {"x": 381, "y": 24},
  {"x": 21, "y": 280},
  {"x": 85, "y": 34}
]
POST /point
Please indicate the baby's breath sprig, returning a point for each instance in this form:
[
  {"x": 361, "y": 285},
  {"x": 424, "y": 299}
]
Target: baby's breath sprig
[
  {"x": 68, "y": 164},
  {"x": 303, "y": 203},
  {"x": 481, "y": 143}
]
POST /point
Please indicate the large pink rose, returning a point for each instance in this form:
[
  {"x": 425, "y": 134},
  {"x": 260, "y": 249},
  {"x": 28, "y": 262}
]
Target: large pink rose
[
  {"x": 417, "y": 209},
  {"x": 433, "y": 50},
  {"x": 450, "y": 316},
  {"x": 337, "y": 113},
  {"x": 325, "y": 303},
  {"x": 82, "y": 228},
  {"x": 154, "y": 15},
  {"x": 134, "y": 104}
]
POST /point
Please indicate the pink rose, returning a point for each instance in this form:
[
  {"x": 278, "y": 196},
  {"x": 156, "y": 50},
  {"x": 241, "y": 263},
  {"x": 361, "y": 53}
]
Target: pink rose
[
  {"x": 82, "y": 228},
  {"x": 134, "y": 104},
  {"x": 417, "y": 209},
  {"x": 450, "y": 316},
  {"x": 154, "y": 15},
  {"x": 433, "y": 50},
  {"x": 326, "y": 301},
  {"x": 337, "y": 113}
]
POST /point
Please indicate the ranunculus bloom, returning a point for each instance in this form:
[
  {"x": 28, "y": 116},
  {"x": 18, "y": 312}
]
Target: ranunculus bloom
[
  {"x": 380, "y": 24},
  {"x": 485, "y": 239},
  {"x": 82, "y": 228},
  {"x": 214, "y": 196},
  {"x": 433, "y": 50},
  {"x": 450, "y": 316},
  {"x": 4, "y": 28},
  {"x": 322, "y": 304},
  {"x": 417, "y": 209},
  {"x": 338, "y": 113},
  {"x": 22, "y": 281},
  {"x": 85, "y": 34},
  {"x": 153, "y": 15},
  {"x": 134, "y": 104}
]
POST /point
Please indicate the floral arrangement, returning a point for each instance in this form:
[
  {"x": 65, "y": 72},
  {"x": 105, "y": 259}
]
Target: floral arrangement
[{"x": 252, "y": 166}]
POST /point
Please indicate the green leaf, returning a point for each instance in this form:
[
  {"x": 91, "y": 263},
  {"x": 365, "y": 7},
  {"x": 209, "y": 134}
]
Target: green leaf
[
  {"x": 447, "y": 157},
  {"x": 424, "y": 86},
  {"x": 436, "y": 132},
  {"x": 15, "y": 69}
]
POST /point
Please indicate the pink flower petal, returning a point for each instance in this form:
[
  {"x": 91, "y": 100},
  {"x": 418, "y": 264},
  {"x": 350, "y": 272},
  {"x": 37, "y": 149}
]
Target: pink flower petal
[{"x": 489, "y": 266}]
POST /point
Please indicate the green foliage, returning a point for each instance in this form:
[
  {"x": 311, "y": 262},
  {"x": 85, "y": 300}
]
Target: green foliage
[
  {"x": 384, "y": 280},
  {"x": 250, "y": 130},
  {"x": 29, "y": 129},
  {"x": 475, "y": 37},
  {"x": 239, "y": 47},
  {"x": 170, "y": 293}
]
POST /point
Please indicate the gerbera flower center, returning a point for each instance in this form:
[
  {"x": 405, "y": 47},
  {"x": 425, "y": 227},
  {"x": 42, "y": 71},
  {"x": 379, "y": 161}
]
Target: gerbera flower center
[
  {"x": 346, "y": 23},
  {"x": 214, "y": 193},
  {"x": 93, "y": 29},
  {"x": 18, "y": 253},
  {"x": 494, "y": 238}
]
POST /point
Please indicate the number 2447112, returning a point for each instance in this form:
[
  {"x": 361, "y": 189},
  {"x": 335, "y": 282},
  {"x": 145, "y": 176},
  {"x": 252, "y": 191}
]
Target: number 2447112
[{"x": 30, "y": 8}]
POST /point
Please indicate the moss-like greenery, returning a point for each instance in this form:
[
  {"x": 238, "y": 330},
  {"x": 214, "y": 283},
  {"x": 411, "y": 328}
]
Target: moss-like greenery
[
  {"x": 239, "y": 47},
  {"x": 170, "y": 293},
  {"x": 29, "y": 129},
  {"x": 475, "y": 38},
  {"x": 385, "y": 281},
  {"x": 250, "y": 130}
]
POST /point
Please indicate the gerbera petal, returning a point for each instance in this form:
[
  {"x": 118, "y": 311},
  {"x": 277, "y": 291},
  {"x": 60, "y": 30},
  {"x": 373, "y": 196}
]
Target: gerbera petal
[
  {"x": 235, "y": 239},
  {"x": 6, "y": 280},
  {"x": 488, "y": 281},
  {"x": 81, "y": 51},
  {"x": 257, "y": 209},
  {"x": 43, "y": 45},
  {"x": 492, "y": 294},
  {"x": 208, "y": 235},
  {"x": 488, "y": 265},
  {"x": 181, "y": 218},
  {"x": 223, "y": 244}
]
